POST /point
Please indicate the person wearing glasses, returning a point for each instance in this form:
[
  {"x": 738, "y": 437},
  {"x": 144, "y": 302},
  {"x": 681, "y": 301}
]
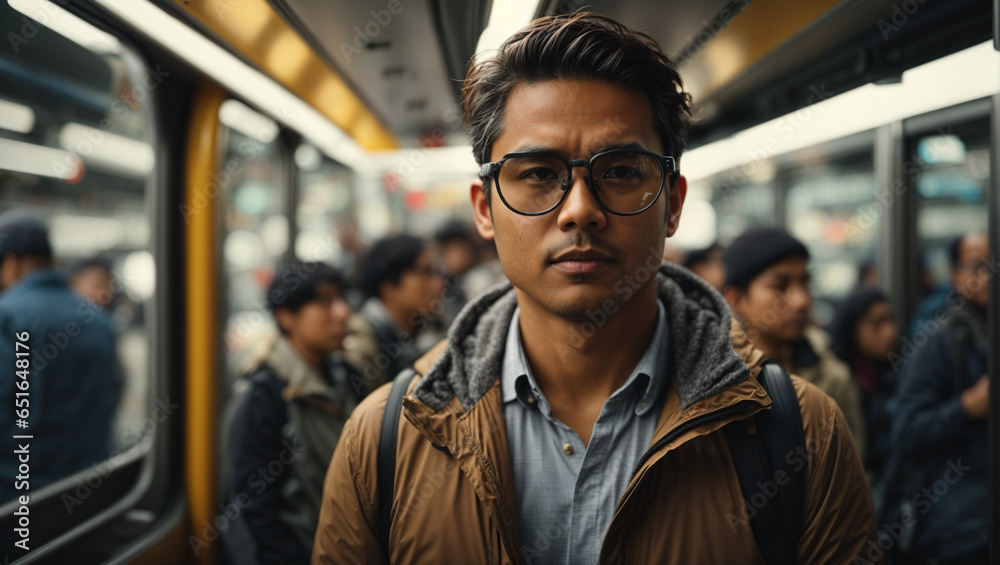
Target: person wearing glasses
[
  {"x": 285, "y": 419},
  {"x": 942, "y": 408},
  {"x": 576, "y": 415},
  {"x": 403, "y": 299}
]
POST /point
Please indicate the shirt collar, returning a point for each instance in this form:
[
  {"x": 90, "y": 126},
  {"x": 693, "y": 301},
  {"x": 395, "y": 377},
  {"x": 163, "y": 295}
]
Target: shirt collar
[{"x": 518, "y": 383}]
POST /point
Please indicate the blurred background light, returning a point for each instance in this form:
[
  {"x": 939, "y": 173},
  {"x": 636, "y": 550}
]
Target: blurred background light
[
  {"x": 16, "y": 117},
  {"x": 66, "y": 24}
]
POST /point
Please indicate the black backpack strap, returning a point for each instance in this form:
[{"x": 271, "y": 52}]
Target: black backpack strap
[
  {"x": 760, "y": 456},
  {"x": 387, "y": 456}
]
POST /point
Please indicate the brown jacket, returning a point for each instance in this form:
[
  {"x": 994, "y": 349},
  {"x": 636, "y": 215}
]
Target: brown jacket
[{"x": 454, "y": 492}]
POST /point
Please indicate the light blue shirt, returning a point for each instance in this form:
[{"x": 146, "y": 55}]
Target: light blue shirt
[{"x": 567, "y": 493}]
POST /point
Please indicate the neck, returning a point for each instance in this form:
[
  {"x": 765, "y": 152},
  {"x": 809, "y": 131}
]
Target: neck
[
  {"x": 578, "y": 362},
  {"x": 777, "y": 350},
  {"x": 314, "y": 359},
  {"x": 401, "y": 316}
]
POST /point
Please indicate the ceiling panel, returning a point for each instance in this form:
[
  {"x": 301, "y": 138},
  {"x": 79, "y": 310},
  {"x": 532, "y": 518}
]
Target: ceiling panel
[{"x": 391, "y": 53}]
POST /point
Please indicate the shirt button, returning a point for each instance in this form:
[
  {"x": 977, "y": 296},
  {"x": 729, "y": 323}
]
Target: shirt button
[{"x": 568, "y": 448}]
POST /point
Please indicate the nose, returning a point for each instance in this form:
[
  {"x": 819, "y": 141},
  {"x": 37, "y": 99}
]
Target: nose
[
  {"x": 581, "y": 209},
  {"x": 799, "y": 298}
]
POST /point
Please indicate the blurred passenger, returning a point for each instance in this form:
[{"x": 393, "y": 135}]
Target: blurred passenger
[
  {"x": 458, "y": 254},
  {"x": 935, "y": 298},
  {"x": 767, "y": 286},
  {"x": 708, "y": 263},
  {"x": 518, "y": 442},
  {"x": 487, "y": 272},
  {"x": 943, "y": 406},
  {"x": 289, "y": 414},
  {"x": 864, "y": 335},
  {"x": 91, "y": 278},
  {"x": 70, "y": 379},
  {"x": 457, "y": 249},
  {"x": 403, "y": 297}
]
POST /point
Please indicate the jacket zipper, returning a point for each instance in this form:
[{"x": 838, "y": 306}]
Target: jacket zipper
[{"x": 741, "y": 408}]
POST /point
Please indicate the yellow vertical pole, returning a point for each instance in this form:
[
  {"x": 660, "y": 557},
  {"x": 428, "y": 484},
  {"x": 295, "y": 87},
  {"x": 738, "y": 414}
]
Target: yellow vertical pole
[{"x": 200, "y": 215}]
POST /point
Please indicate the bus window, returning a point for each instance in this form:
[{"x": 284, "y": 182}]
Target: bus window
[
  {"x": 949, "y": 169},
  {"x": 743, "y": 198},
  {"x": 326, "y": 230},
  {"x": 255, "y": 225},
  {"x": 831, "y": 208},
  {"x": 74, "y": 155}
]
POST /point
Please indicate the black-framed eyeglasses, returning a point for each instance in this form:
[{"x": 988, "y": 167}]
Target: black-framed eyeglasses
[{"x": 623, "y": 181}]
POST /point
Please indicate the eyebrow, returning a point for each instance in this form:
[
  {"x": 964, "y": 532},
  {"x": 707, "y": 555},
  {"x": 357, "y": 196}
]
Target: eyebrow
[{"x": 556, "y": 152}]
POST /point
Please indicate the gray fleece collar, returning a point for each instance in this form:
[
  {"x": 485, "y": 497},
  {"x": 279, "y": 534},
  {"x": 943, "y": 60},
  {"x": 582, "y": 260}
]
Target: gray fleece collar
[{"x": 702, "y": 360}]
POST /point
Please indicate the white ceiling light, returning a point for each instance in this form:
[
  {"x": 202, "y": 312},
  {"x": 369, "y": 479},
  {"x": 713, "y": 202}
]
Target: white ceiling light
[
  {"x": 506, "y": 18},
  {"x": 66, "y": 24},
  {"x": 16, "y": 117},
  {"x": 108, "y": 151},
  {"x": 238, "y": 77},
  {"x": 37, "y": 160},
  {"x": 960, "y": 77},
  {"x": 250, "y": 123}
]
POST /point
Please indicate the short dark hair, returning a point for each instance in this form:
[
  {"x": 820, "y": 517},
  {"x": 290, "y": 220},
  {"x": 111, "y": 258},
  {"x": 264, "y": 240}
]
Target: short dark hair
[
  {"x": 387, "y": 260},
  {"x": 582, "y": 45},
  {"x": 298, "y": 282},
  {"x": 699, "y": 255},
  {"x": 454, "y": 231}
]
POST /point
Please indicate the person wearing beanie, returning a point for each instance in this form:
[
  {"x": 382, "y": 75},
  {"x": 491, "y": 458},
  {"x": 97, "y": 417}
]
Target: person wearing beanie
[
  {"x": 767, "y": 287},
  {"x": 71, "y": 374}
]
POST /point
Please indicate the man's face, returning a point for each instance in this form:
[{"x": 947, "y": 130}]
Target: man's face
[
  {"x": 417, "y": 289},
  {"x": 971, "y": 277},
  {"x": 94, "y": 284},
  {"x": 776, "y": 303},
  {"x": 712, "y": 269},
  {"x": 321, "y": 323},
  {"x": 576, "y": 120},
  {"x": 457, "y": 257}
]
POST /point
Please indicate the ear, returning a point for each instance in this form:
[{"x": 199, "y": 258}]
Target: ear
[
  {"x": 9, "y": 270},
  {"x": 675, "y": 200},
  {"x": 481, "y": 211}
]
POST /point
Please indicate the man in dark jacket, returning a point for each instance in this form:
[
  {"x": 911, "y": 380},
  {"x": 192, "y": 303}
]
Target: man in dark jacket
[
  {"x": 403, "y": 299},
  {"x": 942, "y": 403},
  {"x": 60, "y": 375},
  {"x": 287, "y": 424}
]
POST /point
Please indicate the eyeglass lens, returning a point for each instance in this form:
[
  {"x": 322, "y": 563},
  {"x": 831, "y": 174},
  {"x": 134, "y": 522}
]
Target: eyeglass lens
[{"x": 626, "y": 182}]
